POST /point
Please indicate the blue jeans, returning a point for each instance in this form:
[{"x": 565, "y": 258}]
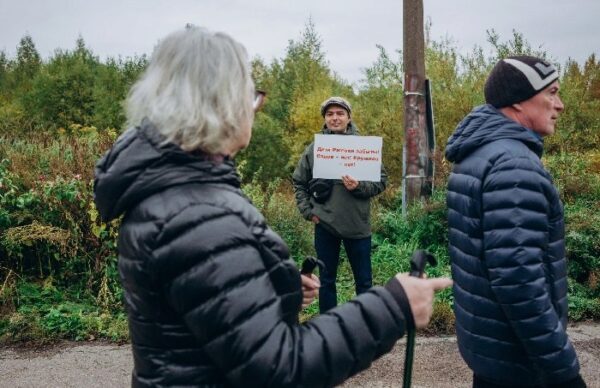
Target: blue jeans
[{"x": 328, "y": 248}]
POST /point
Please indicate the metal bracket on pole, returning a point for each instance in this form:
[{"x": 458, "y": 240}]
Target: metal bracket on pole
[{"x": 414, "y": 94}]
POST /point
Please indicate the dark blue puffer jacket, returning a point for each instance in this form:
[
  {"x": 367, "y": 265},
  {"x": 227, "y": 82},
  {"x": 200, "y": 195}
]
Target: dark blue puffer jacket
[
  {"x": 211, "y": 293},
  {"x": 506, "y": 233}
]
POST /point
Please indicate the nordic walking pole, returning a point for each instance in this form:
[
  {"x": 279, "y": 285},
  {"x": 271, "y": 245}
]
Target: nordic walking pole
[{"x": 418, "y": 261}]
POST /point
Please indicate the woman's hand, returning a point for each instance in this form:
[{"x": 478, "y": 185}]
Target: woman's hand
[
  {"x": 420, "y": 295},
  {"x": 310, "y": 288}
]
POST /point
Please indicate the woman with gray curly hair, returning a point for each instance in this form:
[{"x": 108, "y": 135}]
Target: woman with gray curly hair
[{"x": 211, "y": 293}]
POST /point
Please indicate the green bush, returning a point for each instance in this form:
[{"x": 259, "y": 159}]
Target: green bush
[
  {"x": 59, "y": 261},
  {"x": 47, "y": 312},
  {"x": 583, "y": 244},
  {"x": 577, "y": 175},
  {"x": 58, "y": 271},
  {"x": 583, "y": 302},
  {"x": 276, "y": 202}
]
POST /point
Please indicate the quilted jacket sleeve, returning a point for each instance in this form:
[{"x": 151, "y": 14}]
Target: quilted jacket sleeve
[
  {"x": 516, "y": 223},
  {"x": 227, "y": 295}
]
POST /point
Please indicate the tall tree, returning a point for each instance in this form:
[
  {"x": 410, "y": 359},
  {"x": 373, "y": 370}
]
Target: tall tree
[
  {"x": 4, "y": 72},
  {"x": 579, "y": 127},
  {"x": 27, "y": 65},
  {"x": 313, "y": 83},
  {"x": 63, "y": 93},
  {"x": 379, "y": 108},
  {"x": 298, "y": 84},
  {"x": 518, "y": 45},
  {"x": 301, "y": 70}
]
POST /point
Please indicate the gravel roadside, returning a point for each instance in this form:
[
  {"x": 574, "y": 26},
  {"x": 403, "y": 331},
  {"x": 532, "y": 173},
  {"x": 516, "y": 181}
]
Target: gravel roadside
[{"x": 437, "y": 364}]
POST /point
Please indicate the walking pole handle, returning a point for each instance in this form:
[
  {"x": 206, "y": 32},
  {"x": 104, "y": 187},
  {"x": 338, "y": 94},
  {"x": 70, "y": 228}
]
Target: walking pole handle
[
  {"x": 309, "y": 264},
  {"x": 419, "y": 260}
]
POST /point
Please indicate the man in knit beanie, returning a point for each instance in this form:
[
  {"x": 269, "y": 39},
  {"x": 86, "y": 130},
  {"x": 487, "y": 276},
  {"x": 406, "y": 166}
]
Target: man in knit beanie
[{"x": 506, "y": 234}]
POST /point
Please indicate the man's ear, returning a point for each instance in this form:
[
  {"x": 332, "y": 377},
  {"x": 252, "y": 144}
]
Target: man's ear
[{"x": 518, "y": 107}]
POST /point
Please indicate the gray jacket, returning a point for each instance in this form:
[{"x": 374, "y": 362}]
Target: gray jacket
[{"x": 345, "y": 213}]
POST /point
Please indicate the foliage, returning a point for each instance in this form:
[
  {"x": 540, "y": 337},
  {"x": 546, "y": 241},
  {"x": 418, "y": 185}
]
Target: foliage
[
  {"x": 297, "y": 84},
  {"x": 582, "y": 231},
  {"x": 518, "y": 45},
  {"x": 583, "y": 303},
  {"x": 73, "y": 87},
  {"x": 378, "y": 109},
  {"x": 579, "y": 128},
  {"x": 27, "y": 65},
  {"x": 268, "y": 143},
  {"x": 61, "y": 95},
  {"x": 397, "y": 237},
  {"x": 58, "y": 261},
  {"x": 276, "y": 203},
  {"x": 45, "y": 312}
]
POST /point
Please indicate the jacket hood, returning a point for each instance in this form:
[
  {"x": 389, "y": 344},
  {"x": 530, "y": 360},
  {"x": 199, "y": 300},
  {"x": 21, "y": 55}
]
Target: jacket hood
[
  {"x": 350, "y": 130},
  {"x": 140, "y": 164},
  {"x": 484, "y": 125}
]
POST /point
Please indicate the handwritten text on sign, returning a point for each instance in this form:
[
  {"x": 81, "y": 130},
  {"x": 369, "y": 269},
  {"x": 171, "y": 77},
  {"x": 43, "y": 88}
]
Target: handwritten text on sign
[{"x": 358, "y": 156}]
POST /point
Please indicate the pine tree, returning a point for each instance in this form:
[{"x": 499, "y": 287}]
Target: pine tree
[{"x": 27, "y": 65}]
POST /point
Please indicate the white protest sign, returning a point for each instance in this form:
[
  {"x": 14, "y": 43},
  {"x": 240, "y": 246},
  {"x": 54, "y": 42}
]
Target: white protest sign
[{"x": 358, "y": 156}]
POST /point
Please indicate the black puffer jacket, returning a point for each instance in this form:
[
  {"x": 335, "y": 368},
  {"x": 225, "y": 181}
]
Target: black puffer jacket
[
  {"x": 507, "y": 248},
  {"x": 211, "y": 293}
]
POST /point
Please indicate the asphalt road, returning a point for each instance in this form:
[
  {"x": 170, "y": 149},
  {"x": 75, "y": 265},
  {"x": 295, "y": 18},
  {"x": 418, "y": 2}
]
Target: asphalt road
[{"x": 437, "y": 364}]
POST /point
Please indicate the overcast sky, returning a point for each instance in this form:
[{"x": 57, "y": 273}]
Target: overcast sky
[{"x": 349, "y": 29}]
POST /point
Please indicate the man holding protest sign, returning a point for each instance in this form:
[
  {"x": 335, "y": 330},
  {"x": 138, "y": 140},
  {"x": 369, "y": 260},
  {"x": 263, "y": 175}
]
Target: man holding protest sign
[{"x": 339, "y": 207}]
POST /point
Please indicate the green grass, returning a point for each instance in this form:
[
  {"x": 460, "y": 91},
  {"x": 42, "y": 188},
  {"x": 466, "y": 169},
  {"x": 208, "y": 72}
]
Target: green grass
[{"x": 42, "y": 312}]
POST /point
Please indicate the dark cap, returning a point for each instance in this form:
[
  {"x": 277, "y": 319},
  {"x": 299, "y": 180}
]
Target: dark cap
[
  {"x": 336, "y": 101},
  {"x": 516, "y": 79}
]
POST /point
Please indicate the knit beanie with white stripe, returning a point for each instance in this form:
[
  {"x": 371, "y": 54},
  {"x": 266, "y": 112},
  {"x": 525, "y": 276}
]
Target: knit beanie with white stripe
[{"x": 516, "y": 79}]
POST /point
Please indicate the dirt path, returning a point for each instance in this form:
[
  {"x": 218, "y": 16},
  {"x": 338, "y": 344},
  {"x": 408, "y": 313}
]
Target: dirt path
[{"x": 437, "y": 364}]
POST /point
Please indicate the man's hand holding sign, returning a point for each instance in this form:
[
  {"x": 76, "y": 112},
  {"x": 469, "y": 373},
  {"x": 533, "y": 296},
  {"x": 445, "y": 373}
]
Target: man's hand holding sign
[{"x": 349, "y": 182}]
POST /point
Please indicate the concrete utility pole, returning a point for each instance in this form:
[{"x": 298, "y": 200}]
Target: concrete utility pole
[{"x": 417, "y": 161}]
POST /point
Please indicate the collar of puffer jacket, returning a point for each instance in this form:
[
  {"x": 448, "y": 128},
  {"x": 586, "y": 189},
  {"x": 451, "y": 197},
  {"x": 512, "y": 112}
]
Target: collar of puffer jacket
[
  {"x": 484, "y": 125},
  {"x": 141, "y": 164}
]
